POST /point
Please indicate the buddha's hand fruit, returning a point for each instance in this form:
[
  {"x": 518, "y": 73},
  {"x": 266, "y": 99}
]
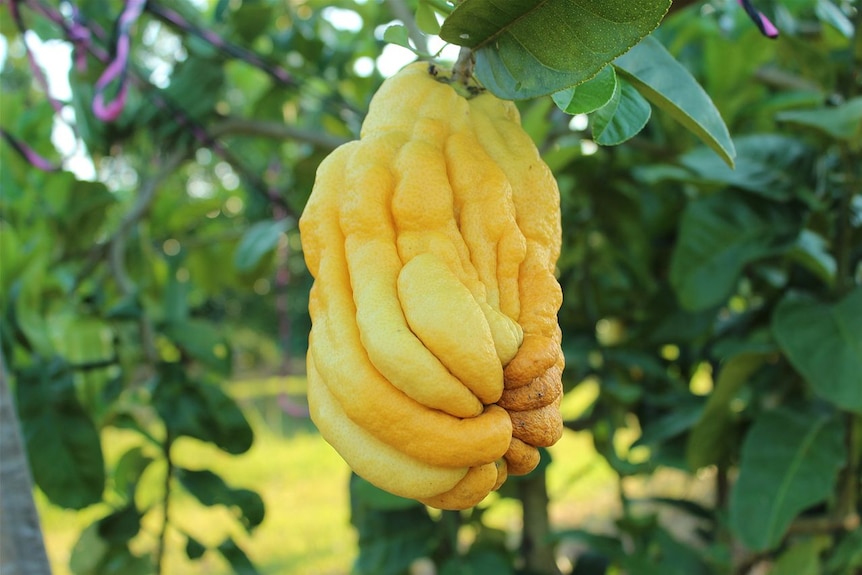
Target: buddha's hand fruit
[{"x": 434, "y": 358}]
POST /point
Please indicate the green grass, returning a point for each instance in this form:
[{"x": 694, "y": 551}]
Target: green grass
[{"x": 304, "y": 482}]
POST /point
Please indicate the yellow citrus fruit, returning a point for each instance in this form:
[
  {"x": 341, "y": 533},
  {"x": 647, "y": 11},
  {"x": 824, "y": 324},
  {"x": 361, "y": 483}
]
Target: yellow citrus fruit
[{"x": 434, "y": 358}]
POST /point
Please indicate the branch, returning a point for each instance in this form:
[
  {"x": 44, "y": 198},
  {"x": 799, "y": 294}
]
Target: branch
[
  {"x": 243, "y": 126},
  {"x": 824, "y": 524},
  {"x": 117, "y": 244},
  {"x": 163, "y": 532},
  {"x": 747, "y": 563},
  {"x": 94, "y": 365},
  {"x": 782, "y": 80},
  {"x": 157, "y": 98},
  {"x": 536, "y": 550},
  {"x": 402, "y": 12},
  {"x": 177, "y": 20},
  {"x": 95, "y": 256}
]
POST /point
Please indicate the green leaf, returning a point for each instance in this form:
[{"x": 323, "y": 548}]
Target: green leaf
[
  {"x": 712, "y": 437},
  {"x": 194, "y": 548},
  {"x": 29, "y": 303},
  {"x": 516, "y": 60},
  {"x": 664, "y": 556},
  {"x": 121, "y": 525},
  {"x": 398, "y": 35},
  {"x": 82, "y": 340},
  {"x": 121, "y": 561},
  {"x": 828, "y": 12},
  {"x": 671, "y": 87},
  {"x": 665, "y": 427},
  {"x": 128, "y": 471},
  {"x": 125, "y": 308},
  {"x": 390, "y": 540},
  {"x": 622, "y": 117},
  {"x": 606, "y": 443},
  {"x": 201, "y": 340},
  {"x": 801, "y": 558},
  {"x": 84, "y": 213},
  {"x": 132, "y": 418},
  {"x": 719, "y": 235},
  {"x": 88, "y": 551},
  {"x": 196, "y": 87},
  {"x": 675, "y": 557},
  {"x": 378, "y": 499},
  {"x": 227, "y": 427},
  {"x": 824, "y": 343},
  {"x": 749, "y": 340},
  {"x": 590, "y": 95},
  {"x": 12, "y": 260},
  {"x": 846, "y": 558},
  {"x": 251, "y": 19},
  {"x": 609, "y": 546},
  {"x": 239, "y": 561},
  {"x": 766, "y": 164},
  {"x": 63, "y": 445},
  {"x": 842, "y": 122},
  {"x": 200, "y": 410},
  {"x": 478, "y": 562},
  {"x": 812, "y": 251},
  {"x": 622, "y": 391},
  {"x": 426, "y": 18},
  {"x": 790, "y": 460},
  {"x": 671, "y": 324},
  {"x": 175, "y": 298},
  {"x": 7, "y": 24},
  {"x": 210, "y": 489},
  {"x": 91, "y": 130},
  {"x": 259, "y": 240},
  {"x": 93, "y": 556},
  {"x": 221, "y": 10}
]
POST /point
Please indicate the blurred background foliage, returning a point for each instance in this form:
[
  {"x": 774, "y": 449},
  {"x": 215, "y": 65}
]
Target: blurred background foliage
[{"x": 153, "y": 299}]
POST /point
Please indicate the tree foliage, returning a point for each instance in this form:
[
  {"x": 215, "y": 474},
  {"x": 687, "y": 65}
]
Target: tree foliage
[{"x": 711, "y": 188}]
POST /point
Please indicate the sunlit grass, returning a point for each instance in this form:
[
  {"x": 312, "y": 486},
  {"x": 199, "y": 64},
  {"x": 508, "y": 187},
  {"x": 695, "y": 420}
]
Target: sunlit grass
[{"x": 304, "y": 482}]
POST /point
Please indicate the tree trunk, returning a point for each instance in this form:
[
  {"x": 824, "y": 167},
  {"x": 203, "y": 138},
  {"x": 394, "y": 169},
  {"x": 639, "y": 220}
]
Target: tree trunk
[
  {"x": 22, "y": 549},
  {"x": 537, "y": 551}
]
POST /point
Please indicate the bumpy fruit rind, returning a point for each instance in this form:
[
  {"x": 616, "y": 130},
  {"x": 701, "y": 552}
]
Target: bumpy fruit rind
[{"x": 434, "y": 356}]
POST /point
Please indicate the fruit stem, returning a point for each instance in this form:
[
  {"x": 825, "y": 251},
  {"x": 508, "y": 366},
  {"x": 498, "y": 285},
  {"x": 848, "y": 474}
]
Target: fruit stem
[{"x": 463, "y": 70}]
